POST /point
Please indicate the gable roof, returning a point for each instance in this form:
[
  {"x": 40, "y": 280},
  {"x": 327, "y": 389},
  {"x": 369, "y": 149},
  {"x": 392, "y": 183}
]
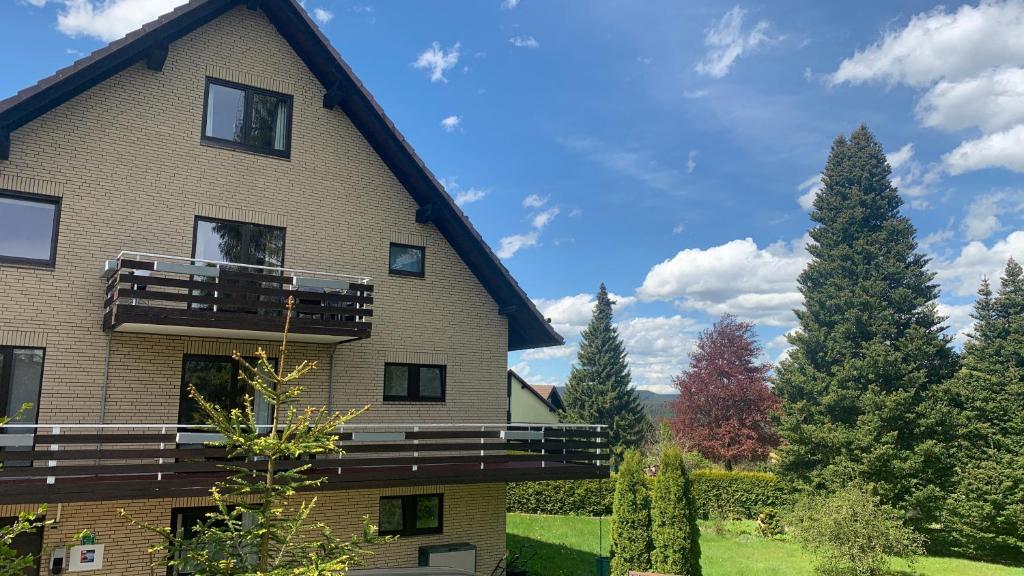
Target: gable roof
[
  {"x": 549, "y": 393},
  {"x": 527, "y": 328},
  {"x": 536, "y": 391}
]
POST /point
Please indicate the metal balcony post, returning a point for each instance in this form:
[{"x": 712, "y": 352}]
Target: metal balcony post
[{"x": 53, "y": 463}]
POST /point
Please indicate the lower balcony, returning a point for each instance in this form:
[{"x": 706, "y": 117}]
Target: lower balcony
[
  {"x": 82, "y": 462},
  {"x": 155, "y": 294}
]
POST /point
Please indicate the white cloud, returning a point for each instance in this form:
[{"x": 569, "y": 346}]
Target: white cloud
[
  {"x": 659, "y": 348},
  {"x": 322, "y": 16},
  {"x": 542, "y": 219},
  {"x": 37, "y": 3},
  {"x": 512, "y": 244},
  {"x": 438, "y": 61},
  {"x": 937, "y": 45},
  {"x": 638, "y": 165},
  {"x": 695, "y": 94},
  {"x": 959, "y": 322},
  {"x": 450, "y": 123},
  {"x": 109, "y": 20},
  {"x": 996, "y": 150},
  {"x": 900, "y": 157},
  {"x": 509, "y": 4},
  {"x": 534, "y": 201},
  {"x": 962, "y": 274},
  {"x": 992, "y": 101},
  {"x": 985, "y": 214},
  {"x": 678, "y": 229},
  {"x": 809, "y": 189},
  {"x": 550, "y": 353},
  {"x": 469, "y": 196},
  {"x": 691, "y": 161},
  {"x": 524, "y": 42},
  {"x": 736, "y": 277},
  {"x": 526, "y": 372},
  {"x": 570, "y": 314},
  {"x": 727, "y": 41}
]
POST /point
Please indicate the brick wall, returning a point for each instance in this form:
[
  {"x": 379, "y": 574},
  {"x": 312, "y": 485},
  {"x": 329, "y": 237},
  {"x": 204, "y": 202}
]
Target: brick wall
[{"x": 472, "y": 513}]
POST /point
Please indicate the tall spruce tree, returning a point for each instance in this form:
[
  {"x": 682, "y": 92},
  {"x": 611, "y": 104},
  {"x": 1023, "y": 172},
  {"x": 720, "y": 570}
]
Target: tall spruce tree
[
  {"x": 870, "y": 344},
  {"x": 598, "y": 391},
  {"x": 981, "y": 411}
]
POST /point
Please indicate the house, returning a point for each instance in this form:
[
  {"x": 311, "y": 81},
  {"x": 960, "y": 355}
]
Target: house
[
  {"x": 534, "y": 404},
  {"x": 159, "y": 201}
]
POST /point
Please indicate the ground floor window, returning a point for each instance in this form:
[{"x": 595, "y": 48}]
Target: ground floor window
[
  {"x": 216, "y": 378},
  {"x": 183, "y": 525},
  {"x": 411, "y": 515},
  {"x": 25, "y": 544}
]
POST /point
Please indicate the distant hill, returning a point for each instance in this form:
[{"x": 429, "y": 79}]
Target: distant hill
[{"x": 656, "y": 405}]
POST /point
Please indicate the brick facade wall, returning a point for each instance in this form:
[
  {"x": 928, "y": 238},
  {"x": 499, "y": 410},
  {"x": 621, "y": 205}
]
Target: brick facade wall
[
  {"x": 473, "y": 513},
  {"x": 126, "y": 159}
]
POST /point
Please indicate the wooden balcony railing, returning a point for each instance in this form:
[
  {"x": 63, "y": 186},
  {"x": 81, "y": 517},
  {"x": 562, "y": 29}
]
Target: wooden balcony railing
[
  {"x": 79, "y": 463},
  {"x": 192, "y": 297}
]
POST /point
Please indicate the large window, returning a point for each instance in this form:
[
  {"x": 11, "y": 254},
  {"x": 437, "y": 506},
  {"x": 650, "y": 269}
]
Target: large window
[
  {"x": 411, "y": 515},
  {"x": 238, "y": 242},
  {"x": 414, "y": 383},
  {"x": 28, "y": 228},
  {"x": 405, "y": 260},
  {"x": 21, "y": 379},
  {"x": 247, "y": 118},
  {"x": 26, "y": 544},
  {"x": 216, "y": 379}
]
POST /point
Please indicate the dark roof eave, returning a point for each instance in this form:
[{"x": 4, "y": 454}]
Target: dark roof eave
[{"x": 527, "y": 327}]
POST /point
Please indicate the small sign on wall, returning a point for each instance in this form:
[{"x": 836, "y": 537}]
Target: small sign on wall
[{"x": 85, "y": 558}]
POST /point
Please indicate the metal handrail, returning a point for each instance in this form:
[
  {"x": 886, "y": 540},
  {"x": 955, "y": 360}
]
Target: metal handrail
[
  {"x": 342, "y": 428},
  {"x": 144, "y": 255}
]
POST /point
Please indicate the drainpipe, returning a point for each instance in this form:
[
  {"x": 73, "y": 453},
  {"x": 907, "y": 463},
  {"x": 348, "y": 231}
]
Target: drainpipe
[
  {"x": 330, "y": 381},
  {"x": 106, "y": 382}
]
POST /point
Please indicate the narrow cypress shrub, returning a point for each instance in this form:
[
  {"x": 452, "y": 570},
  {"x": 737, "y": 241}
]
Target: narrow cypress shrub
[
  {"x": 631, "y": 518},
  {"x": 674, "y": 519}
]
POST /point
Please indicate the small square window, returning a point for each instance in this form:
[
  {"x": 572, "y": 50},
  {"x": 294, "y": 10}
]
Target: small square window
[
  {"x": 247, "y": 118},
  {"x": 414, "y": 383},
  {"x": 405, "y": 260},
  {"x": 28, "y": 228},
  {"x": 411, "y": 515}
]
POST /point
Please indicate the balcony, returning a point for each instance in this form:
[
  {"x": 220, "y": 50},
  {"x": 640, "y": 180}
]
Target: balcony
[
  {"x": 154, "y": 294},
  {"x": 88, "y": 462}
]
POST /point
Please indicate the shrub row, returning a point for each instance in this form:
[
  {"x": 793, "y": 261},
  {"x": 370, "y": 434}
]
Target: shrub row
[{"x": 717, "y": 493}]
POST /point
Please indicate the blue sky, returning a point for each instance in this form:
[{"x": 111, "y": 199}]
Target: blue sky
[{"x": 665, "y": 148}]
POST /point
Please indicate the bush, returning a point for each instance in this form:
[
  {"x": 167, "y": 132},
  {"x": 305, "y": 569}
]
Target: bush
[
  {"x": 770, "y": 524},
  {"x": 853, "y": 533},
  {"x": 562, "y": 497},
  {"x": 631, "y": 520},
  {"x": 737, "y": 495},
  {"x": 673, "y": 519}
]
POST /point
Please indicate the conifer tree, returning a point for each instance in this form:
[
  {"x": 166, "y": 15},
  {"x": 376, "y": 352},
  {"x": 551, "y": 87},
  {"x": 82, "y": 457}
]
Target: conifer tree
[
  {"x": 631, "y": 518},
  {"x": 869, "y": 347},
  {"x": 981, "y": 409},
  {"x": 674, "y": 529},
  {"x": 598, "y": 390}
]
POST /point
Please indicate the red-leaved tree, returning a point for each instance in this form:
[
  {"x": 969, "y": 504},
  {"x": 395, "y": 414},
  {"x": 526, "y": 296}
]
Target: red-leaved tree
[{"x": 725, "y": 405}]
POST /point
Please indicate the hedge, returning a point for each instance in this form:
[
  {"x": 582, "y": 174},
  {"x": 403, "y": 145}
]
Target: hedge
[{"x": 729, "y": 494}]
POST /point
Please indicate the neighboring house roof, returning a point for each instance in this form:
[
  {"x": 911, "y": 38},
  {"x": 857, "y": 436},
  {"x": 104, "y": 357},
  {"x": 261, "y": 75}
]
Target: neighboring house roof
[
  {"x": 550, "y": 393},
  {"x": 537, "y": 391},
  {"x": 527, "y": 328}
]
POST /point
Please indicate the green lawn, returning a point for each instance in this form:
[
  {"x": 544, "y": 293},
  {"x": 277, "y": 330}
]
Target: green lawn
[{"x": 567, "y": 545}]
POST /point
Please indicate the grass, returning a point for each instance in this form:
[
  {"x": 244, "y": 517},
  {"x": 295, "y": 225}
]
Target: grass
[{"x": 568, "y": 545}]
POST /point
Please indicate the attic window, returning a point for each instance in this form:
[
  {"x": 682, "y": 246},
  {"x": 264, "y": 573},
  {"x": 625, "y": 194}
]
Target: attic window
[{"x": 247, "y": 118}]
